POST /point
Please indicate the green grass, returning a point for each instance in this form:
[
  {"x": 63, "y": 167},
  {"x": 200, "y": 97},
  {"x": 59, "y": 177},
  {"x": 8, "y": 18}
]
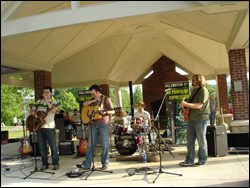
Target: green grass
[{"x": 14, "y": 132}]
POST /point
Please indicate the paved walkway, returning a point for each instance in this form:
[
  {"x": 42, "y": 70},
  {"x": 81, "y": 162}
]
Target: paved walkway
[{"x": 228, "y": 171}]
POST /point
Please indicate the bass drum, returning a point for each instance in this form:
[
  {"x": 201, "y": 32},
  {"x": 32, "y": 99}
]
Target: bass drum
[{"x": 126, "y": 144}]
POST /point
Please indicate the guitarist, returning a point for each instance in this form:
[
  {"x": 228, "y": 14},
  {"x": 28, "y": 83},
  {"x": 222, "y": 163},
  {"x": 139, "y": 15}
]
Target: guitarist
[
  {"x": 197, "y": 122},
  {"x": 47, "y": 133},
  {"x": 98, "y": 126}
]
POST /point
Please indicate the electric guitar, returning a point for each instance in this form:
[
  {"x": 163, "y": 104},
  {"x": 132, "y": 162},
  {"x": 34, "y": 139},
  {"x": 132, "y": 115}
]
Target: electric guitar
[
  {"x": 25, "y": 147},
  {"x": 185, "y": 113},
  {"x": 185, "y": 110},
  {"x": 87, "y": 112},
  {"x": 34, "y": 124},
  {"x": 83, "y": 146}
]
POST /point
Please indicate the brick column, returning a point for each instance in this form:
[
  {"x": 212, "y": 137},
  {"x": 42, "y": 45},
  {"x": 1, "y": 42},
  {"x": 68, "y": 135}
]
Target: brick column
[
  {"x": 239, "y": 83},
  {"x": 222, "y": 92},
  {"x": 41, "y": 79},
  {"x": 105, "y": 89}
]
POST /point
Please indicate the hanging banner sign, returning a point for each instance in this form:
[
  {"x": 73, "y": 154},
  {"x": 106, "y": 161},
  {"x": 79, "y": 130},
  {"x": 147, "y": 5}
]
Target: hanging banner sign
[
  {"x": 177, "y": 90},
  {"x": 84, "y": 95},
  {"x": 176, "y": 93}
]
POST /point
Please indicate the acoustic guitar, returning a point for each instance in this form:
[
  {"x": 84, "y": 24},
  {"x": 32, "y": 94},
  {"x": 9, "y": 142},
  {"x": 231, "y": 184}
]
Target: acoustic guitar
[
  {"x": 87, "y": 112},
  {"x": 34, "y": 124}
]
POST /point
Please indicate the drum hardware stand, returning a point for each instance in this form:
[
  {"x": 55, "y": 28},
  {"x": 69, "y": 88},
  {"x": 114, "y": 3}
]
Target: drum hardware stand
[
  {"x": 166, "y": 145},
  {"x": 92, "y": 146},
  {"x": 34, "y": 140},
  {"x": 157, "y": 118}
]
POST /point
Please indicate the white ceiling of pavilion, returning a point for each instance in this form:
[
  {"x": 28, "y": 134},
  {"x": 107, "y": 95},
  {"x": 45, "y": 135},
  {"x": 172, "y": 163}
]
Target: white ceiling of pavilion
[{"x": 115, "y": 42}]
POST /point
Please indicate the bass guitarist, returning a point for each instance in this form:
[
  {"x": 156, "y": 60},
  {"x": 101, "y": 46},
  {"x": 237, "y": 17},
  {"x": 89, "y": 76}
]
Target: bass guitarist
[
  {"x": 98, "y": 110},
  {"x": 47, "y": 132}
]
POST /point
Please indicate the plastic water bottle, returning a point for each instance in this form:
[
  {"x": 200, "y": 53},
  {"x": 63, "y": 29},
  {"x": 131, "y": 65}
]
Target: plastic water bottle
[{"x": 144, "y": 157}]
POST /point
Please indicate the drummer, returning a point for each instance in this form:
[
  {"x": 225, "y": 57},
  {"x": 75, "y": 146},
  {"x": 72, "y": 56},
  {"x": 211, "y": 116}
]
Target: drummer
[
  {"x": 120, "y": 124},
  {"x": 146, "y": 119}
]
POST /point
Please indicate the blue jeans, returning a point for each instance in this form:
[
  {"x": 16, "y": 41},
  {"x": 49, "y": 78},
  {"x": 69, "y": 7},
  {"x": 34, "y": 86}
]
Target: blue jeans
[
  {"x": 103, "y": 131},
  {"x": 49, "y": 135},
  {"x": 212, "y": 118},
  {"x": 197, "y": 130},
  {"x": 150, "y": 136}
]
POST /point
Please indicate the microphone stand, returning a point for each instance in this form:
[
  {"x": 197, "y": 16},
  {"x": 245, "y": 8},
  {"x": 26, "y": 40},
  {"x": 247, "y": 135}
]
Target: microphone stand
[
  {"x": 159, "y": 148},
  {"x": 92, "y": 146}
]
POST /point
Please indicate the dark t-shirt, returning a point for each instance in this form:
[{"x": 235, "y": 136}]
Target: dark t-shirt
[{"x": 201, "y": 97}]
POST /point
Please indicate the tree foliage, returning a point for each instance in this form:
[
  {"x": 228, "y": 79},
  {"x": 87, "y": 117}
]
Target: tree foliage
[
  {"x": 125, "y": 99},
  {"x": 67, "y": 100},
  {"x": 12, "y": 104},
  {"x": 137, "y": 94}
]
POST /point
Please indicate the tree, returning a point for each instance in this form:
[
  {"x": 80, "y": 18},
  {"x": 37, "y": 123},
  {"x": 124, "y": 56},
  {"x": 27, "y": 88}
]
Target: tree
[
  {"x": 67, "y": 100},
  {"x": 137, "y": 94},
  {"x": 125, "y": 99},
  {"x": 211, "y": 89},
  {"x": 12, "y": 104}
]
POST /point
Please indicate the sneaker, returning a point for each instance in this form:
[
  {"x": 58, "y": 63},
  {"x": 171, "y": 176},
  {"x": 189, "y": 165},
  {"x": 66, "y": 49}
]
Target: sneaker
[
  {"x": 185, "y": 163},
  {"x": 199, "y": 163},
  {"x": 44, "y": 167},
  {"x": 56, "y": 167},
  {"x": 104, "y": 167},
  {"x": 82, "y": 166}
]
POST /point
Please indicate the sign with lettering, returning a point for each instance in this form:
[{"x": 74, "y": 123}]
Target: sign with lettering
[{"x": 176, "y": 92}]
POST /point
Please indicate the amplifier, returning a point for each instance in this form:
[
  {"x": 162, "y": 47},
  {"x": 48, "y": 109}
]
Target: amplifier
[
  {"x": 217, "y": 140},
  {"x": 66, "y": 148}
]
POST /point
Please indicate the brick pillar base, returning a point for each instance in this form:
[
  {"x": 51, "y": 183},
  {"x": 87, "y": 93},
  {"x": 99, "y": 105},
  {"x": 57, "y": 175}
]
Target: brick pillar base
[
  {"x": 222, "y": 92},
  {"x": 41, "y": 79},
  {"x": 105, "y": 89},
  {"x": 238, "y": 72}
]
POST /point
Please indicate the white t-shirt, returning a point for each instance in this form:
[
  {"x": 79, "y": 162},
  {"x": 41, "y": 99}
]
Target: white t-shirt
[
  {"x": 41, "y": 105},
  {"x": 145, "y": 115}
]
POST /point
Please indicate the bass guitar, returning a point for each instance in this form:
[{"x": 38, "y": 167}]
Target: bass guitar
[
  {"x": 87, "y": 112},
  {"x": 34, "y": 124}
]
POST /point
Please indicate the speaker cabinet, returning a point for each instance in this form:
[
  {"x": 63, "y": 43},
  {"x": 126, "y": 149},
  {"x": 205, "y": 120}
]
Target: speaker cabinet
[
  {"x": 217, "y": 141},
  {"x": 66, "y": 148},
  {"x": 238, "y": 140},
  {"x": 60, "y": 126}
]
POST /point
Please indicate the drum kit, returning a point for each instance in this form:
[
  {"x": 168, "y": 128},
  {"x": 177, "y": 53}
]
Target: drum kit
[{"x": 127, "y": 141}]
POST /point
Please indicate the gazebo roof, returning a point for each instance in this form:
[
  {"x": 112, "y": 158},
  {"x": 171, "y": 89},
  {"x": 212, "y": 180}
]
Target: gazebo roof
[{"x": 114, "y": 42}]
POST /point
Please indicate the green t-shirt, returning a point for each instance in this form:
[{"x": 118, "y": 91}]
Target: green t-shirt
[{"x": 201, "y": 97}]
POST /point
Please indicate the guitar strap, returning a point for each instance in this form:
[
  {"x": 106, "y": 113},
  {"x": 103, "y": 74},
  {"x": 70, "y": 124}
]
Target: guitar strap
[
  {"x": 104, "y": 102},
  {"x": 192, "y": 98}
]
